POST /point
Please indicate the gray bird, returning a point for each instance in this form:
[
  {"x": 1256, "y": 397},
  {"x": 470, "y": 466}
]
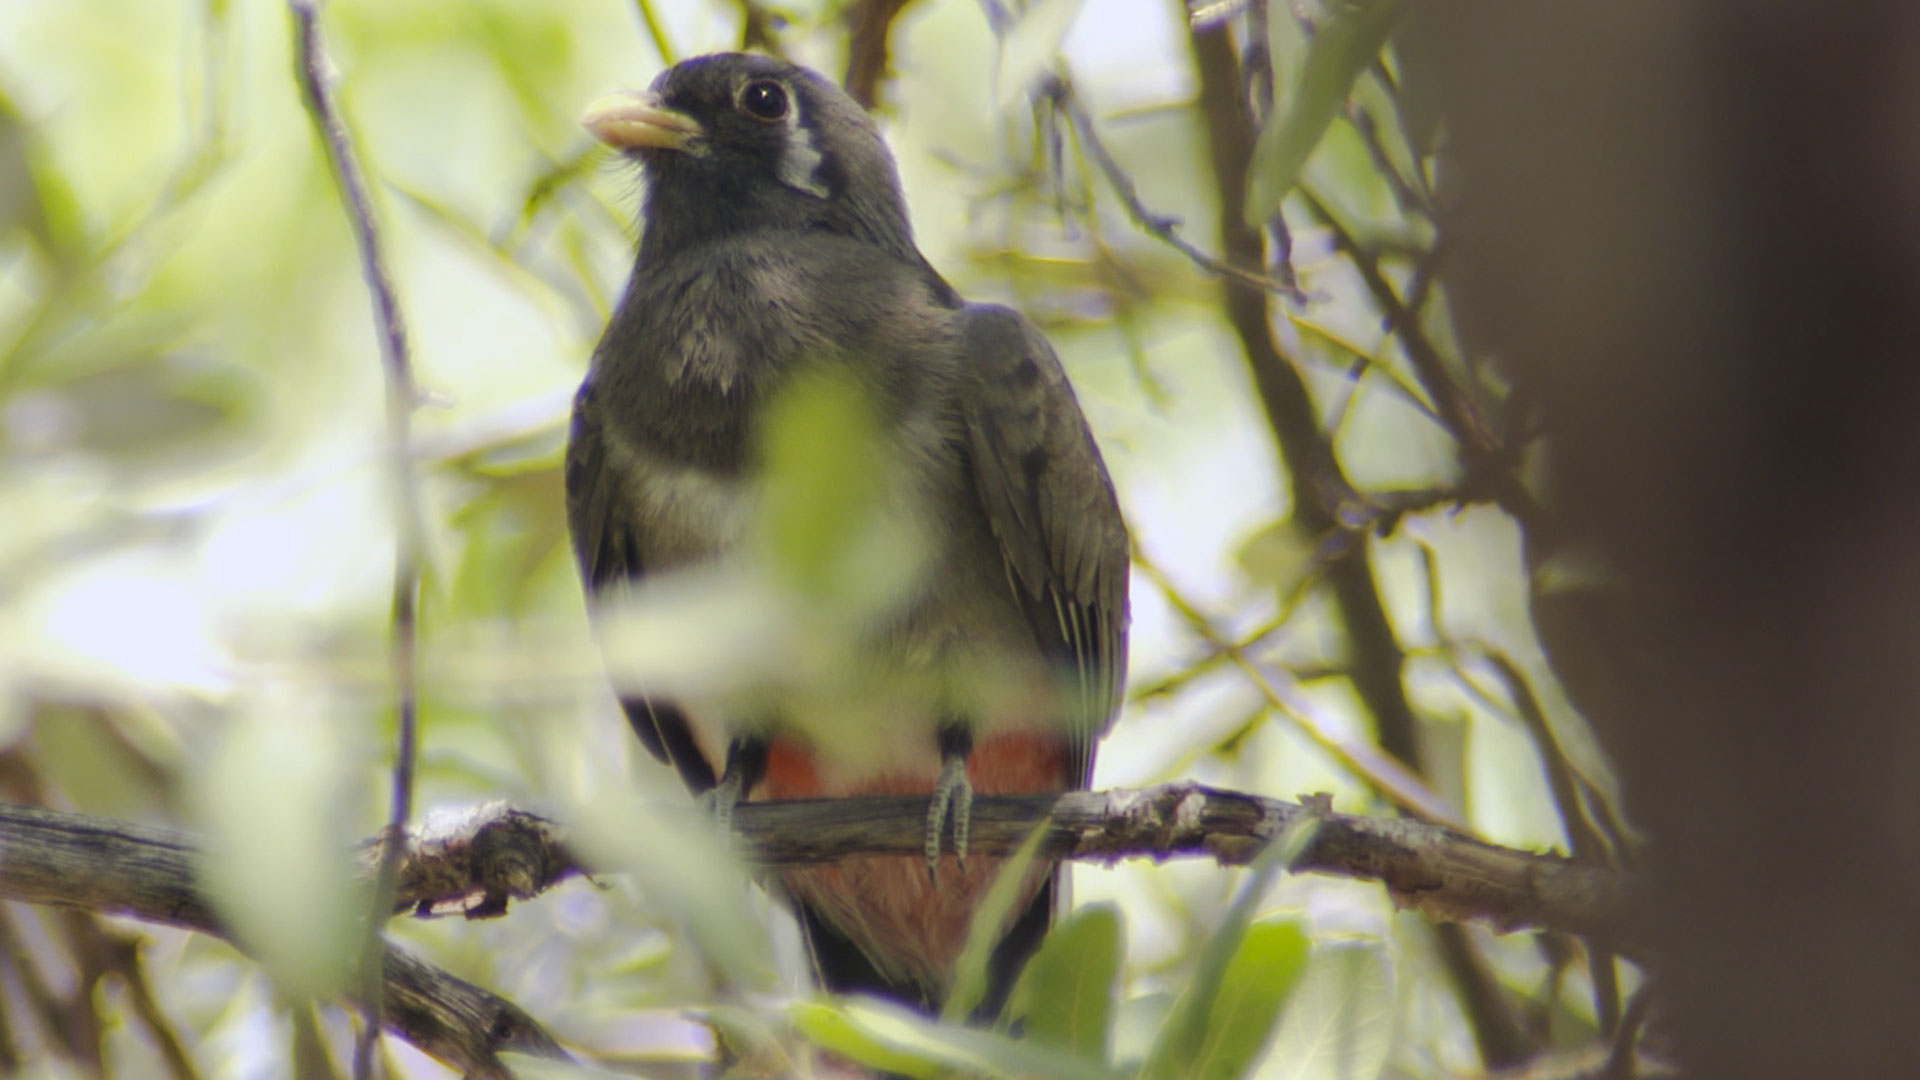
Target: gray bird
[{"x": 775, "y": 242}]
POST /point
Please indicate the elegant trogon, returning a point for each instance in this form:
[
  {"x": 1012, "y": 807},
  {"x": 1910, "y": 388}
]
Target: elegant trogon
[{"x": 774, "y": 240}]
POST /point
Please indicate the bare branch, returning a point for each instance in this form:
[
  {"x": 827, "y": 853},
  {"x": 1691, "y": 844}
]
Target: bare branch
[
  {"x": 1163, "y": 227},
  {"x": 657, "y": 32}
]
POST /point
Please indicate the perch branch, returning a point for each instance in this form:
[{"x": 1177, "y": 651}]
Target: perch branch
[
  {"x": 475, "y": 861},
  {"x": 75, "y": 861}
]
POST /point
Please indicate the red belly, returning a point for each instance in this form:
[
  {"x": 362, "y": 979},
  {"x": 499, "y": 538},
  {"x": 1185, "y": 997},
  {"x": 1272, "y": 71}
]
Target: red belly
[{"x": 908, "y": 926}]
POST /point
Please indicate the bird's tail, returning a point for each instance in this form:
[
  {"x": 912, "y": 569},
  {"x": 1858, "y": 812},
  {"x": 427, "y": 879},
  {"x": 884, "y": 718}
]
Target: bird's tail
[{"x": 843, "y": 968}]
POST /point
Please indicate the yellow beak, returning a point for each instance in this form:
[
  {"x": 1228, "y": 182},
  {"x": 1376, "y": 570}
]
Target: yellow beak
[{"x": 631, "y": 121}]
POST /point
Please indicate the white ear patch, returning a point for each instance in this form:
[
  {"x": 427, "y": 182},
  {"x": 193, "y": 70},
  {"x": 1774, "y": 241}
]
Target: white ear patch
[{"x": 800, "y": 161}]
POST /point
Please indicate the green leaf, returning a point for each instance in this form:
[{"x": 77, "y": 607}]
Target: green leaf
[
  {"x": 1339, "y": 1025},
  {"x": 1280, "y": 555},
  {"x": 274, "y": 800},
  {"x": 836, "y": 1027},
  {"x": 687, "y": 867},
  {"x": 825, "y": 527},
  {"x": 23, "y": 202},
  {"x": 1182, "y": 1043},
  {"x": 820, "y": 436},
  {"x": 989, "y": 921},
  {"x": 1030, "y": 46},
  {"x": 1263, "y": 972},
  {"x": 1345, "y": 41},
  {"x": 894, "y": 1039},
  {"x": 528, "y": 1067},
  {"x": 1072, "y": 983}
]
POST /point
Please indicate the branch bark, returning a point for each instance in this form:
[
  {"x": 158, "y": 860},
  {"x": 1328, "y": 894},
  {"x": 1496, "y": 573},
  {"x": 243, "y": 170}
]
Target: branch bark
[
  {"x": 476, "y": 861},
  {"x": 75, "y": 861}
]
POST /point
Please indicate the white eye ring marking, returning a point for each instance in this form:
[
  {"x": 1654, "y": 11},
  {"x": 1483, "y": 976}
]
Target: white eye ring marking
[{"x": 800, "y": 161}]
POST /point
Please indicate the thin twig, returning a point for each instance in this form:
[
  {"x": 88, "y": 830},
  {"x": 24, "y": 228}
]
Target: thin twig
[
  {"x": 49, "y": 1012},
  {"x": 1377, "y": 768},
  {"x": 124, "y": 961},
  {"x": 312, "y": 70},
  {"x": 1623, "y": 1062},
  {"x": 1410, "y": 202},
  {"x": 657, "y": 32},
  {"x": 1163, "y": 227}
]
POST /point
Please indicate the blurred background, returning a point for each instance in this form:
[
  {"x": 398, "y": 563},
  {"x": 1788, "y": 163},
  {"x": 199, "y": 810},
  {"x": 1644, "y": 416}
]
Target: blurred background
[{"x": 1344, "y": 523}]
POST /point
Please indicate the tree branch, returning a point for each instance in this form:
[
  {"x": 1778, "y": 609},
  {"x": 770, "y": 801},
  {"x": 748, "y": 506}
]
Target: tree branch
[
  {"x": 1163, "y": 227},
  {"x": 869, "y": 33},
  {"x": 473, "y": 862},
  {"x": 75, "y": 861}
]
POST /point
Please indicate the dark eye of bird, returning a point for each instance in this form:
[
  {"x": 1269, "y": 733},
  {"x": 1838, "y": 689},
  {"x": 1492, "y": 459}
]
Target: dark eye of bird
[{"x": 765, "y": 100}]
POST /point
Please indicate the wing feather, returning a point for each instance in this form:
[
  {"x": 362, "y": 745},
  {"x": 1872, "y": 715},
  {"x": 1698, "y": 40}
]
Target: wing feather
[
  {"x": 601, "y": 521},
  {"x": 1052, "y": 508}
]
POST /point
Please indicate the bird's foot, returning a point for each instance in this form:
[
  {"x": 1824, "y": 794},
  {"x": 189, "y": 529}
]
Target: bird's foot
[
  {"x": 952, "y": 801},
  {"x": 746, "y": 764},
  {"x": 718, "y": 801}
]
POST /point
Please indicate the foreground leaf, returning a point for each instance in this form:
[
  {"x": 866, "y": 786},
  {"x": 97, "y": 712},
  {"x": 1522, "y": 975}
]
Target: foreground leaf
[
  {"x": 1345, "y": 41},
  {"x": 1073, "y": 982},
  {"x": 1339, "y": 1025}
]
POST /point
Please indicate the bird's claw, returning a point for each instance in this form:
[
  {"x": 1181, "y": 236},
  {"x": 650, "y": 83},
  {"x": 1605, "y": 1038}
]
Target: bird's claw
[{"x": 952, "y": 799}]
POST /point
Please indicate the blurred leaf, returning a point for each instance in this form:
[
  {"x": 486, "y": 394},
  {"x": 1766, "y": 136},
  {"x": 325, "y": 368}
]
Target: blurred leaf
[
  {"x": 26, "y": 194},
  {"x": 1072, "y": 983},
  {"x": 983, "y": 933},
  {"x": 823, "y": 523},
  {"x": 1182, "y": 1044},
  {"x": 533, "y": 46},
  {"x": 894, "y": 1039},
  {"x": 78, "y": 749},
  {"x": 689, "y": 868},
  {"x": 1345, "y": 41},
  {"x": 134, "y": 410},
  {"x": 1136, "y": 1023},
  {"x": 273, "y": 802},
  {"x": 1030, "y": 45},
  {"x": 820, "y": 444},
  {"x": 1280, "y": 556},
  {"x": 1263, "y": 972},
  {"x": 830, "y": 1027},
  {"x": 528, "y": 1067},
  {"x": 1339, "y": 1025},
  {"x": 513, "y": 526}
]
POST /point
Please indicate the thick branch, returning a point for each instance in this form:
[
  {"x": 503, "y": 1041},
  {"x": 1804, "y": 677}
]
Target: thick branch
[{"x": 75, "y": 861}]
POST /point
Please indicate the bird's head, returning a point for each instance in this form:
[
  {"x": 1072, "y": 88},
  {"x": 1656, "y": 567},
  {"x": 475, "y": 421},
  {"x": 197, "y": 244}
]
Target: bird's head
[{"x": 735, "y": 142}]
